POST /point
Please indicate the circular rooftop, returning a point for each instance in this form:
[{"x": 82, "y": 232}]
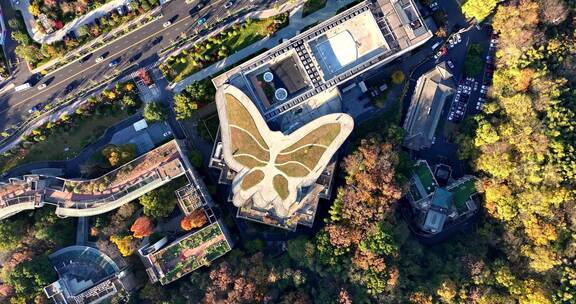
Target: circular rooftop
[
  {"x": 281, "y": 94},
  {"x": 268, "y": 77},
  {"x": 80, "y": 266}
]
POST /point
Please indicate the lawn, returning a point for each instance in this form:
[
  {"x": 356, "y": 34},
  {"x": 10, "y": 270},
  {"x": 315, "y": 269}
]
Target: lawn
[
  {"x": 219, "y": 47},
  {"x": 324, "y": 135},
  {"x": 252, "y": 179},
  {"x": 280, "y": 184},
  {"x": 425, "y": 177},
  {"x": 462, "y": 193},
  {"x": 311, "y": 6},
  {"x": 239, "y": 116},
  {"x": 308, "y": 156},
  {"x": 68, "y": 144},
  {"x": 473, "y": 64},
  {"x": 293, "y": 170}
]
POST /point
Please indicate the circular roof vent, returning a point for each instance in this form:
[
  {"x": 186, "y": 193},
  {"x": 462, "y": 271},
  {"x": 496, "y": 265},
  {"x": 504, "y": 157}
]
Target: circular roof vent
[
  {"x": 281, "y": 94},
  {"x": 268, "y": 76}
]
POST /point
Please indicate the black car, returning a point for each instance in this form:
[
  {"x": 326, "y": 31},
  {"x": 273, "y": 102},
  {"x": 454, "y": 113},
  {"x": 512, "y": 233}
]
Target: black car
[{"x": 85, "y": 58}]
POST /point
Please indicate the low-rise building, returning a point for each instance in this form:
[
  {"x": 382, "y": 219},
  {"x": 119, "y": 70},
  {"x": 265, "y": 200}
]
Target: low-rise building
[
  {"x": 430, "y": 95},
  {"x": 87, "y": 276},
  {"x": 433, "y": 206}
]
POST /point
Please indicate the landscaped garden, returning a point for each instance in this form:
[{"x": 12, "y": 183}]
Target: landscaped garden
[
  {"x": 55, "y": 14},
  {"x": 462, "y": 194},
  {"x": 473, "y": 63},
  {"x": 220, "y": 46},
  {"x": 197, "y": 249},
  {"x": 65, "y": 137},
  {"x": 311, "y": 6},
  {"x": 425, "y": 176}
]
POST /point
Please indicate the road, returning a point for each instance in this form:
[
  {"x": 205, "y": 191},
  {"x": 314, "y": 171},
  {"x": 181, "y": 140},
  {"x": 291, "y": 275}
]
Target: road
[{"x": 140, "y": 48}]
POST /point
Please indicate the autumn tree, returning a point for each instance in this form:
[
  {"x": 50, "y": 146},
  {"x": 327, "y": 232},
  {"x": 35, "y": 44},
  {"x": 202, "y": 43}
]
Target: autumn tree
[
  {"x": 194, "y": 220},
  {"x": 142, "y": 227},
  {"x": 479, "y": 9},
  {"x": 119, "y": 155},
  {"x": 125, "y": 244}
]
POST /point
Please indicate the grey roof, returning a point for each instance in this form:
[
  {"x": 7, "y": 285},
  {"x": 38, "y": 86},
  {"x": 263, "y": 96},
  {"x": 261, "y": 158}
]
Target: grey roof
[
  {"x": 430, "y": 94},
  {"x": 442, "y": 198},
  {"x": 434, "y": 221}
]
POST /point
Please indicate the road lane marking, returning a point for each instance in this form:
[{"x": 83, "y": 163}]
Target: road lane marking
[{"x": 90, "y": 67}]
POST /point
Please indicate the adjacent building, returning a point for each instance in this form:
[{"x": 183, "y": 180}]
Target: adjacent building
[
  {"x": 436, "y": 206},
  {"x": 430, "y": 94},
  {"x": 293, "y": 118},
  {"x": 87, "y": 276}
]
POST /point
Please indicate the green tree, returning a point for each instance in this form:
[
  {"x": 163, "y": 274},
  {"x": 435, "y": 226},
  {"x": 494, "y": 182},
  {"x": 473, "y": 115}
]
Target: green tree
[
  {"x": 184, "y": 106},
  {"x": 11, "y": 234},
  {"x": 83, "y": 30},
  {"x": 154, "y": 112},
  {"x": 29, "y": 277},
  {"x": 129, "y": 101},
  {"x": 158, "y": 203},
  {"x": 21, "y": 37}
]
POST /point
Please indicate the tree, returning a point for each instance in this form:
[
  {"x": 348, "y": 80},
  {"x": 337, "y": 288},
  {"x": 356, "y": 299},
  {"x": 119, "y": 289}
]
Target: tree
[
  {"x": 184, "y": 106},
  {"x": 154, "y": 112},
  {"x": 129, "y": 101},
  {"x": 194, "y": 220},
  {"x": 83, "y": 30},
  {"x": 201, "y": 91},
  {"x": 158, "y": 203},
  {"x": 29, "y": 53},
  {"x": 398, "y": 77},
  {"x": 29, "y": 277},
  {"x": 142, "y": 227},
  {"x": 125, "y": 244},
  {"x": 21, "y": 37},
  {"x": 479, "y": 9},
  {"x": 11, "y": 234},
  {"x": 119, "y": 155},
  {"x": 196, "y": 158},
  {"x": 553, "y": 12}
]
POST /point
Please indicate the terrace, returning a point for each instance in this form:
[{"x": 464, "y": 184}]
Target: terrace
[
  {"x": 99, "y": 195},
  {"x": 189, "y": 253}
]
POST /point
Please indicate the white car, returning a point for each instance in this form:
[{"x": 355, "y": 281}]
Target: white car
[
  {"x": 99, "y": 59},
  {"x": 167, "y": 24},
  {"x": 434, "y": 6},
  {"x": 228, "y": 4},
  {"x": 458, "y": 38},
  {"x": 42, "y": 86},
  {"x": 450, "y": 64}
]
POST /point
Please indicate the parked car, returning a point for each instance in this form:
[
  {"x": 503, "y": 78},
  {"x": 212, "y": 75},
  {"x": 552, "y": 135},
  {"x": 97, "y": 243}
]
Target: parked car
[
  {"x": 450, "y": 64},
  {"x": 434, "y": 6},
  {"x": 228, "y": 4},
  {"x": 201, "y": 21}
]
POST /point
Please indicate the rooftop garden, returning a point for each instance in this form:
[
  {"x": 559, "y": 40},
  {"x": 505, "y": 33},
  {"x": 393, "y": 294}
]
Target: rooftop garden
[
  {"x": 65, "y": 137},
  {"x": 220, "y": 46},
  {"x": 280, "y": 184},
  {"x": 311, "y": 6},
  {"x": 462, "y": 194},
  {"x": 425, "y": 175},
  {"x": 248, "y": 145},
  {"x": 308, "y": 150},
  {"x": 190, "y": 253}
]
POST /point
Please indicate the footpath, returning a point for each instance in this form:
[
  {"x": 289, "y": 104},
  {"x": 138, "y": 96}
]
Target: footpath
[{"x": 296, "y": 23}]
